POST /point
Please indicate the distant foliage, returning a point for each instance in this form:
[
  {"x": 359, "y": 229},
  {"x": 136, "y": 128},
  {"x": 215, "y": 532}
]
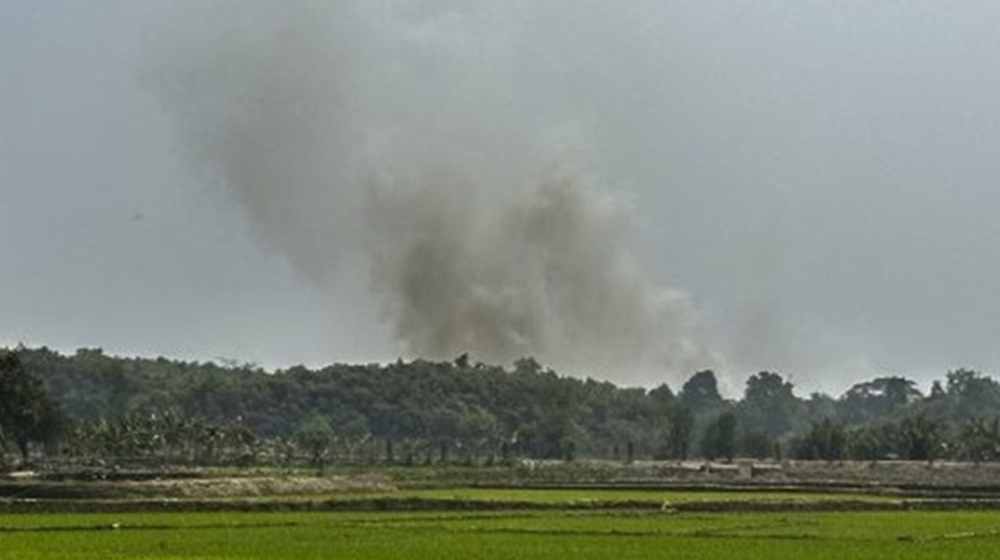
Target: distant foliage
[
  {"x": 825, "y": 440},
  {"x": 719, "y": 441},
  {"x": 27, "y": 414},
  {"x": 423, "y": 412}
]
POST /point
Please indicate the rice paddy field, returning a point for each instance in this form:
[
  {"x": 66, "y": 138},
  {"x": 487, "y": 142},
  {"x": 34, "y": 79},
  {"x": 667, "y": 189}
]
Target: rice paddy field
[{"x": 619, "y": 524}]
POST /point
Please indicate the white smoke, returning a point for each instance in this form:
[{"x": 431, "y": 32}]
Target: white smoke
[{"x": 407, "y": 133}]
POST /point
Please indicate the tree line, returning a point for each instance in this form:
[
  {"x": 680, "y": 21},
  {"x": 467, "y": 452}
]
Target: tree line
[{"x": 90, "y": 406}]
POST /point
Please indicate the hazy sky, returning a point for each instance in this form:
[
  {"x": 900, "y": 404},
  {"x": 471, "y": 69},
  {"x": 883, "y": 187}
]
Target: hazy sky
[{"x": 820, "y": 178}]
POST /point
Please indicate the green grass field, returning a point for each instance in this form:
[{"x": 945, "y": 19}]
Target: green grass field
[
  {"x": 617, "y": 495},
  {"x": 622, "y": 535}
]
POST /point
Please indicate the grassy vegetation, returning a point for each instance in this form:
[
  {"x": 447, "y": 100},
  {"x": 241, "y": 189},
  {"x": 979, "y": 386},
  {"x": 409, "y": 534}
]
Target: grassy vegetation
[
  {"x": 602, "y": 495},
  {"x": 506, "y": 535}
]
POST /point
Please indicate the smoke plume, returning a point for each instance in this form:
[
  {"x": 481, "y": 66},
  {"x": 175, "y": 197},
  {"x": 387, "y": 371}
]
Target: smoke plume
[{"x": 410, "y": 137}]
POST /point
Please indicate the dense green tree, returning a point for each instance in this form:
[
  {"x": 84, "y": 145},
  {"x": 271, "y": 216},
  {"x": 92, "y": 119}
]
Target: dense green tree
[
  {"x": 769, "y": 405},
  {"x": 27, "y": 414},
  {"x": 817, "y": 407},
  {"x": 979, "y": 440},
  {"x": 757, "y": 445},
  {"x": 971, "y": 394},
  {"x": 826, "y": 440},
  {"x": 175, "y": 411},
  {"x": 680, "y": 424},
  {"x": 917, "y": 438},
  {"x": 316, "y": 437},
  {"x": 700, "y": 393},
  {"x": 719, "y": 440},
  {"x": 867, "y": 443},
  {"x": 877, "y": 398}
]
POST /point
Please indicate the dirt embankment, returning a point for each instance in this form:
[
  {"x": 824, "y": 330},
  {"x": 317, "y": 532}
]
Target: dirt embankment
[
  {"x": 191, "y": 488},
  {"x": 881, "y": 476},
  {"x": 258, "y": 486},
  {"x": 911, "y": 486}
]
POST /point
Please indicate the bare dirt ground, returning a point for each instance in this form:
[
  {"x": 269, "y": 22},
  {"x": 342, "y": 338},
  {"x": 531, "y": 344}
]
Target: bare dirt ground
[
  {"x": 229, "y": 487},
  {"x": 23, "y": 487}
]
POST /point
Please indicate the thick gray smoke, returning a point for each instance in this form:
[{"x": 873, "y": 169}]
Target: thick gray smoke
[{"x": 407, "y": 136}]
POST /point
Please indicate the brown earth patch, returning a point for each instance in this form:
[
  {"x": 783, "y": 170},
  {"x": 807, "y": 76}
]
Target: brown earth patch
[{"x": 231, "y": 487}]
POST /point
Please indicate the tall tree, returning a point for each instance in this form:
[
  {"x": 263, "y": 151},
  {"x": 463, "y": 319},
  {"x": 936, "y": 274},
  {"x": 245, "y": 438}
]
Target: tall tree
[
  {"x": 972, "y": 394},
  {"x": 826, "y": 440},
  {"x": 876, "y": 398},
  {"x": 769, "y": 406},
  {"x": 979, "y": 440},
  {"x": 720, "y": 437},
  {"x": 700, "y": 393},
  {"x": 680, "y": 423},
  {"x": 27, "y": 414},
  {"x": 916, "y": 438},
  {"x": 316, "y": 436}
]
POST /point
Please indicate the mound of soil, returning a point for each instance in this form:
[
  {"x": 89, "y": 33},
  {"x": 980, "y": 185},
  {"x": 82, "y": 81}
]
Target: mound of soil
[
  {"x": 233, "y": 487},
  {"x": 191, "y": 488}
]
